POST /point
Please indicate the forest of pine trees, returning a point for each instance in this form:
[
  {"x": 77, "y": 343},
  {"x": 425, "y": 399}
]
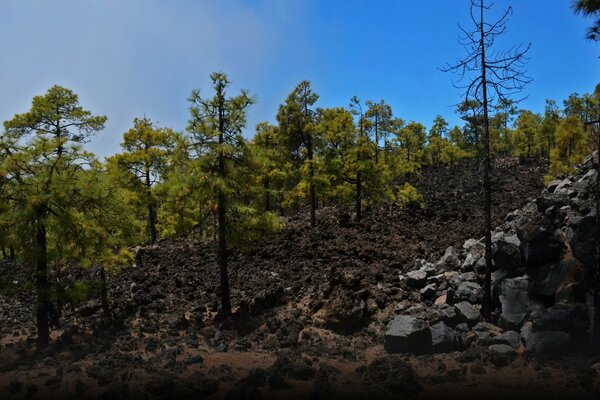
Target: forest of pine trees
[{"x": 61, "y": 205}]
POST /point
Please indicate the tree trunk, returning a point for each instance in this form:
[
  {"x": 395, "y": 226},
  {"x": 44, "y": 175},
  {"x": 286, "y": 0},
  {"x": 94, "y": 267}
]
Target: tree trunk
[
  {"x": 487, "y": 187},
  {"x": 41, "y": 273},
  {"x": 104, "y": 294},
  {"x": 267, "y": 194},
  {"x": 222, "y": 221},
  {"x": 358, "y": 197},
  {"x": 151, "y": 210},
  {"x": 11, "y": 252},
  {"x": 311, "y": 174},
  {"x": 376, "y": 140},
  {"x": 4, "y": 255},
  {"x": 597, "y": 253}
]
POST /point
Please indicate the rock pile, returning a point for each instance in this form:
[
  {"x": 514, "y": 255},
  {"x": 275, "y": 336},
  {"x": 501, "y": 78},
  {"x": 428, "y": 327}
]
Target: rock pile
[{"x": 543, "y": 257}]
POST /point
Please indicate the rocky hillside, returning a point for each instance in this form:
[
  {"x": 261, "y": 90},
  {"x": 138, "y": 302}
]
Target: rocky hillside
[{"x": 318, "y": 312}]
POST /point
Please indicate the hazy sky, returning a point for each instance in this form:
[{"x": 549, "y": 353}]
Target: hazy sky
[{"x": 127, "y": 58}]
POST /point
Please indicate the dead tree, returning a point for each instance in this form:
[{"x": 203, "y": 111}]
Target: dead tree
[{"x": 488, "y": 77}]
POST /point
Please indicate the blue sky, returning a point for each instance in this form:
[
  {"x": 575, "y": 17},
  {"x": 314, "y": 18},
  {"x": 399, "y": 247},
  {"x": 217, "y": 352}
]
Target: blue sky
[{"x": 129, "y": 58}]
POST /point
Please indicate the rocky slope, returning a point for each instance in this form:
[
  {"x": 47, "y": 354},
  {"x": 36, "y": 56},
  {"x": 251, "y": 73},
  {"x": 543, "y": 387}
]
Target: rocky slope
[{"x": 313, "y": 307}]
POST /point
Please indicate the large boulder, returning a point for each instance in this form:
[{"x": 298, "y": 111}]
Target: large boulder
[
  {"x": 583, "y": 239},
  {"x": 506, "y": 253},
  {"x": 501, "y": 354},
  {"x": 544, "y": 343},
  {"x": 406, "y": 334},
  {"x": 515, "y": 301},
  {"x": 545, "y": 280},
  {"x": 568, "y": 317},
  {"x": 443, "y": 338},
  {"x": 540, "y": 242}
]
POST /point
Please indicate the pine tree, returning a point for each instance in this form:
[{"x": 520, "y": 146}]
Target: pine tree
[
  {"x": 297, "y": 127},
  {"x": 48, "y": 172},
  {"x": 216, "y": 126},
  {"x": 145, "y": 155}
]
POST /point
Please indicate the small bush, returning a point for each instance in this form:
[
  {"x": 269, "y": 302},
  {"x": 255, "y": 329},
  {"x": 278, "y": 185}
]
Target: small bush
[{"x": 409, "y": 197}]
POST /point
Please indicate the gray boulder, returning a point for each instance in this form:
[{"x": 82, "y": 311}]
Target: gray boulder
[
  {"x": 487, "y": 334},
  {"x": 416, "y": 279},
  {"x": 545, "y": 280},
  {"x": 429, "y": 292},
  {"x": 468, "y": 312},
  {"x": 449, "y": 260},
  {"x": 540, "y": 242},
  {"x": 506, "y": 254},
  {"x": 514, "y": 300},
  {"x": 560, "y": 317},
  {"x": 468, "y": 291},
  {"x": 406, "y": 334},
  {"x": 582, "y": 241},
  {"x": 544, "y": 343},
  {"x": 510, "y": 338},
  {"x": 501, "y": 354},
  {"x": 443, "y": 338}
]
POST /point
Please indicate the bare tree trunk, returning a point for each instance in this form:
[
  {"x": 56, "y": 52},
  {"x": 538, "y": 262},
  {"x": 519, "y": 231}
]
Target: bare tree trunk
[
  {"x": 597, "y": 253},
  {"x": 4, "y": 254},
  {"x": 11, "y": 252},
  {"x": 41, "y": 274},
  {"x": 487, "y": 187}
]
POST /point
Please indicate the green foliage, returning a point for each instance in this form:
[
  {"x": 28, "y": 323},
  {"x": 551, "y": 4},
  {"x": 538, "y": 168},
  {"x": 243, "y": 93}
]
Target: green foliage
[
  {"x": 571, "y": 146},
  {"x": 527, "y": 127},
  {"x": 408, "y": 196}
]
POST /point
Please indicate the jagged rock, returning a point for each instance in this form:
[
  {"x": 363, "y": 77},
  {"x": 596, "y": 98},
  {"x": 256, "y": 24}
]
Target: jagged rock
[
  {"x": 556, "y": 200},
  {"x": 475, "y": 248},
  {"x": 406, "y": 334},
  {"x": 498, "y": 277},
  {"x": 487, "y": 334},
  {"x": 469, "y": 264},
  {"x": 511, "y": 338},
  {"x": 560, "y": 317},
  {"x": 449, "y": 315},
  {"x": 468, "y": 291},
  {"x": 544, "y": 343},
  {"x": 416, "y": 279},
  {"x": 516, "y": 302},
  {"x": 553, "y": 185},
  {"x": 506, "y": 254},
  {"x": 466, "y": 277},
  {"x": 443, "y": 338},
  {"x": 501, "y": 354},
  {"x": 540, "y": 242},
  {"x": 468, "y": 312},
  {"x": 449, "y": 260},
  {"x": 582, "y": 241},
  {"x": 443, "y": 299},
  {"x": 546, "y": 279},
  {"x": 346, "y": 310},
  {"x": 429, "y": 291}
]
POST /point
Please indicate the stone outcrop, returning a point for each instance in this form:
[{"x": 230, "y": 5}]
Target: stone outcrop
[{"x": 542, "y": 259}]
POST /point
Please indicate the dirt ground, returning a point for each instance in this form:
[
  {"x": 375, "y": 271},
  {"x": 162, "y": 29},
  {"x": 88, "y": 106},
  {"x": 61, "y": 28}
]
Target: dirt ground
[{"x": 311, "y": 308}]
